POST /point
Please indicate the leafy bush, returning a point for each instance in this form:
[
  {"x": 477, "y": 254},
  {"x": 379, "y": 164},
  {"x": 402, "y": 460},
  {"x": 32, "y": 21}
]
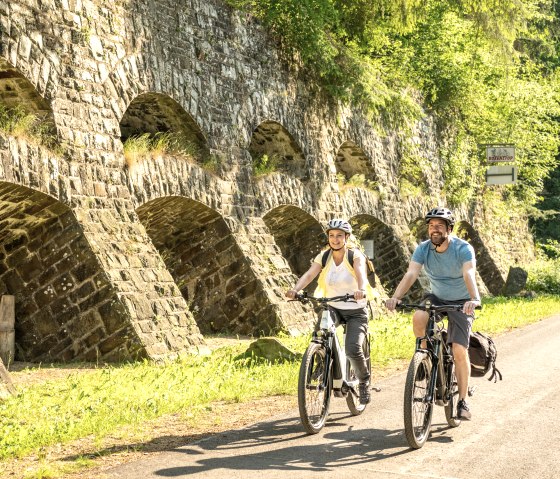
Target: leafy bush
[{"x": 544, "y": 276}]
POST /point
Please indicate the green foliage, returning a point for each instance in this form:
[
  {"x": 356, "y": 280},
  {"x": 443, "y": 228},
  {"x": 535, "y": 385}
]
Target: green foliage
[
  {"x": 265, "y": 164},
  {"x": 487, "y": 70},
  {"x": 140, "y": 147},
  {"x": 20, "y": 123},
  {"x": 544, "y": 274}
]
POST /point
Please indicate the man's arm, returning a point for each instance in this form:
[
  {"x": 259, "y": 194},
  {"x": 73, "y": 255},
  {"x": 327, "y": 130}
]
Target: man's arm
[
  {"x": 407, "y": 281},
  {"x": 469, "y": 275}
]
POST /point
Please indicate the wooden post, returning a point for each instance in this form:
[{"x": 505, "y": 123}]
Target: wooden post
[{"x": 7, "y": 332}]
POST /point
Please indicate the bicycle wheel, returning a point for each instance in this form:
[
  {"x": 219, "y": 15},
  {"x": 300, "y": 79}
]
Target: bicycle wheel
[
  {"x": 453, "y": 399},
  {"x": 417, "y": 412},
  {"x": 353, "y": 401},
  {"x": 313, "y": 397}
]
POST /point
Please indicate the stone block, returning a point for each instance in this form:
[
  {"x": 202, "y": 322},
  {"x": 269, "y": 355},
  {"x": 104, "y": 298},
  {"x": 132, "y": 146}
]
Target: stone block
[{"x": 515, "y": 282}]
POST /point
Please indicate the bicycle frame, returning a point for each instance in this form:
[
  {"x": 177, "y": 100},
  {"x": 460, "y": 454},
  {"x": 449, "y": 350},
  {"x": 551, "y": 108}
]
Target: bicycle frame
[
  {"x": 336, "y": 356},
  {"x": 439, "y": 354}
]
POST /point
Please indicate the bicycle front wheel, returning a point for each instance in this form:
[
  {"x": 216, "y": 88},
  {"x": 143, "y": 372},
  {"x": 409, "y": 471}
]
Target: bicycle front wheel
[
  {"x": 417, "y": 410},
  {"x": 453, "y": 398},
  {"x": 314, "y": 392},
  {"x": 352, "y": 400}
]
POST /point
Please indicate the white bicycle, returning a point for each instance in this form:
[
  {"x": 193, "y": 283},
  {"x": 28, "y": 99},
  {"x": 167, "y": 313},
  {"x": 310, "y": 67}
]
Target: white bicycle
[{"x": 325, "y": 370}]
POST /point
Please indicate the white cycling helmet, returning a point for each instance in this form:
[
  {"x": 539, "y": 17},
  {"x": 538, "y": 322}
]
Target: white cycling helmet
[
  {"x": 442, "y": 214},
  {"x": 339, "y": 224}
]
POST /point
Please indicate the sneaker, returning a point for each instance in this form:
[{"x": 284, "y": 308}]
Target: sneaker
[
  {"x": 463, "y": 411},
  {"x": 363, "y": 389}
]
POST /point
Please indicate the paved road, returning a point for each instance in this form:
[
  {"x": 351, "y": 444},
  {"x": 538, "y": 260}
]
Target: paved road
[{"x": 513, "y": 435}]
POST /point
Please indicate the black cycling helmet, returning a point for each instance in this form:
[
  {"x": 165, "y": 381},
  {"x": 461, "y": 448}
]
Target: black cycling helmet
[
  {"x": 442, "y": 214},
  {"x": 339, "y": 224}
]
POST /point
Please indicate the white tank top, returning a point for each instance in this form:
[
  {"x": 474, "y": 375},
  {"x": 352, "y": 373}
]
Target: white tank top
[{"x": 340, "y": 281}]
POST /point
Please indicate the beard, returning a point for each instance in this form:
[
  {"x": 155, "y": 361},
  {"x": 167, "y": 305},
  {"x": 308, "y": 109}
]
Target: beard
[{"x": 437, "y": 239}]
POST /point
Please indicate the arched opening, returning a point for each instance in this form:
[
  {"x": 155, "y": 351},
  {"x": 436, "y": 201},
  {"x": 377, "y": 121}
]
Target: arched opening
[
  {"x": 299, "y": 236},
  {"x": 272, "y": 148},
  {"x": 389, "y": 254},
  {"x": 354, "y": 167},
  {"x": 65, "y": 307},
  {"x": 23, "y": 112},
  {"x": 154, "y": 122},
  {"x": 485, "y": 265},
  {"x": 207, "y": 264}
]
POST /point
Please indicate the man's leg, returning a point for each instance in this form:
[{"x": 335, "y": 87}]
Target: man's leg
[
  {"x": 419, "y": 322},
  {"x": 462, "y": 368}
]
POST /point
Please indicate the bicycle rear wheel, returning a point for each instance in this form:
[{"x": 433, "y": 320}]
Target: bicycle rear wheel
[
  {"x": 313, "y": 397},
  {"x": 453, "y": 399},
  {"x": 353, "y": 400},
  {"x": 417, "y": 412}
]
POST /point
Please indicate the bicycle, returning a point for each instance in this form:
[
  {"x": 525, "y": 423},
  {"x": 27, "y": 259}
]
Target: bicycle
[
  {"x": 431, "y": 377},
  {"x": 322, "y": 374}
]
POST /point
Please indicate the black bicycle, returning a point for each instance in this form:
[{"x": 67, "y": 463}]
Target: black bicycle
[
  {"x": 326, "y": 371},
  {"x": 431, "y": 377}
]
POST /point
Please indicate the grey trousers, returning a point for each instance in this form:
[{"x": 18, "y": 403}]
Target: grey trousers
[{"x": 356, "y": 329}]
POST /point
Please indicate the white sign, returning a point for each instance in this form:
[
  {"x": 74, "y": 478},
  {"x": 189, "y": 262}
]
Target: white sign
[
  {"x": 368, "y": 247},
  {"x": 501, "y": 175},
  {"x": 500, "y": 154}
]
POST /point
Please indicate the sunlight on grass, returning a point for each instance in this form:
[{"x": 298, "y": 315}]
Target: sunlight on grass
[{"x": 99, "y": 402}]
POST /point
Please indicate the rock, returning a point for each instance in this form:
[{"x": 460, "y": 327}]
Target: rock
[
  {"x": 271, "y": 349},
  {"x": 516, "y": 281}
]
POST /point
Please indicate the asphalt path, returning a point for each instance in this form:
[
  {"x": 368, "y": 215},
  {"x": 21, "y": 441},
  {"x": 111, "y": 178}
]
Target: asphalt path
[{"x": 513, "y": 435}]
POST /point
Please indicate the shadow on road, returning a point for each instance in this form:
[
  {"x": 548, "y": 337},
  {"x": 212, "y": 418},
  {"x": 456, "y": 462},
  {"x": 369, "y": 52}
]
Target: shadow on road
[{"x": 333, "y": 449}]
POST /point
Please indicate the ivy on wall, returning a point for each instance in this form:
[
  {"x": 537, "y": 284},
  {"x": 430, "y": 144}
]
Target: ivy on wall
[{"x": 487, "y": 70}]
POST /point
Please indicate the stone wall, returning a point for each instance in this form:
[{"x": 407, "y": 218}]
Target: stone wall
[{"x": 156, "y": 252}]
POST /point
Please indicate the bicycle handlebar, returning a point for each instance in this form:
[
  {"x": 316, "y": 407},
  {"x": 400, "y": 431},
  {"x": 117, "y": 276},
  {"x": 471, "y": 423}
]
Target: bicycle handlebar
[
  {"x": 436, "y": 308},
  {"x": 305, "y": 299}
]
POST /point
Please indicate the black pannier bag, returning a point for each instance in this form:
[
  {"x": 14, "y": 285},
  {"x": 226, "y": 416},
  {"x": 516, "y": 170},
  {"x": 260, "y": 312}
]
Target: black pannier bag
[{"x": 483, "y": 354}]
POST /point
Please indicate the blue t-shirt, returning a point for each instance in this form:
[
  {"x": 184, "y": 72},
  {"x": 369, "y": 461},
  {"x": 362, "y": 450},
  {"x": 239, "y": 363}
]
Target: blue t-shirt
[{"x": 445, "y": 270}]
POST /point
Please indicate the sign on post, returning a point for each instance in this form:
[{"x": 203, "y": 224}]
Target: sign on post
[{"x": 499, "y": 172}]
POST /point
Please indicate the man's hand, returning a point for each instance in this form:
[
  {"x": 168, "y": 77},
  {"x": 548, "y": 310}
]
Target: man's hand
[
  {"x": 468, "y": 307},
  {"x": 391, "y": 303}
]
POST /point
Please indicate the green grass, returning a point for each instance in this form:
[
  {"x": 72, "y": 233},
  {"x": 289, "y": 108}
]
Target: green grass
[
  {"x": 20, "y": 123},
  {"x": 141, "y": 147},
  {"x": 98, "y": 403}
]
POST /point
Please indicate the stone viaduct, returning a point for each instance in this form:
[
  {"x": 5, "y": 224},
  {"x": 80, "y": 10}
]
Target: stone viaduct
[{"x": 112, "y": 259}]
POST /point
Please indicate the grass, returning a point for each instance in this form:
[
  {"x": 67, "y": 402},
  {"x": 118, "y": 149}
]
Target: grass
[
  {"x": 138, "y": 148},
  {"x": 98, "y": 403},
  {"x": 266, "y": 164},
  {"x": 20, "y": 123}
]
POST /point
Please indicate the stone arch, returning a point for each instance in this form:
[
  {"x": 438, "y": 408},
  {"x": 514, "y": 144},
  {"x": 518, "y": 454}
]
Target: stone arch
[
  {"x": 17, "y": 92},
  {"x": 390, "y": 257},
  {"x": 485, "y": 265},
  {"x": 65, "y": 306},
  {"x": 299, "y": 236},
  {"x": 270, "y": 138},
  {"x": 207, "y": 264},
  {"x": 351, "y": 160},
  {"x": 154, "y": 113}
]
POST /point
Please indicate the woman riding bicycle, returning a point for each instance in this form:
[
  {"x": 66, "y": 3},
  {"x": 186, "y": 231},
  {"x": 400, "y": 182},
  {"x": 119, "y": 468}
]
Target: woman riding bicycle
[
  {"x": 339, "y": 277},
  {"x": 450, "y": 265}
]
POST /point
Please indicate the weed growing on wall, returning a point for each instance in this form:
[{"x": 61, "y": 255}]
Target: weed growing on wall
[
  {"x": 149, "y": 146},
  {"x": 20, "y": 123}
]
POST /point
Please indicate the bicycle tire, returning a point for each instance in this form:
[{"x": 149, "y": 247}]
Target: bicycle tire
[
  {"x": 313, "y": 398},
  {"x": 353, "y": 401},
  {"x": 453, "y": 400},
  {"x": 417, "y": 412}
]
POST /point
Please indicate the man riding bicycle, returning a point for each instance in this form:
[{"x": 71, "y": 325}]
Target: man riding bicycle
[
  {"x": 339, "y": 277},
  {"x": 449, "y": 263}
]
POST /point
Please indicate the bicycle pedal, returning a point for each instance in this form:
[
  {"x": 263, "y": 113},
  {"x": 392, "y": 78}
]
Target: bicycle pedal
[{"x": 471, "y": 390}]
